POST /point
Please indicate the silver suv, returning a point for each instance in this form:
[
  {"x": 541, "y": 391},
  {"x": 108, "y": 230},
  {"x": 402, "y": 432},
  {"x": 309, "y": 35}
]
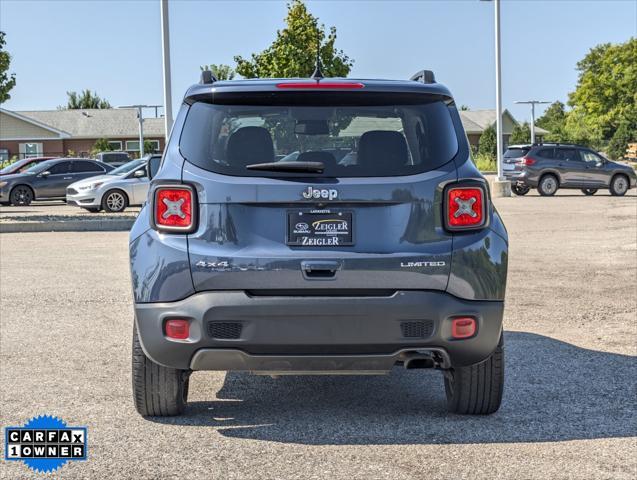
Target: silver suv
[{"x": 549, "y": 167}]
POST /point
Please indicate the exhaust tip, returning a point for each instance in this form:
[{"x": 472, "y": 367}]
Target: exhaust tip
[{"x": 419, "y": 362}]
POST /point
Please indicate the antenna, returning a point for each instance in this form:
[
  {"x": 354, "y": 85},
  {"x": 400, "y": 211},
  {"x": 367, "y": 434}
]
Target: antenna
[{"x": 317, "y": 75}]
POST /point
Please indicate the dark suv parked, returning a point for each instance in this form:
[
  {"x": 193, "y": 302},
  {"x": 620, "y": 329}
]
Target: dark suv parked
[
  {"x": 395, "y": 256},
  {"x": 47, "y": 180},
  {"x": 548, "y": 167}
]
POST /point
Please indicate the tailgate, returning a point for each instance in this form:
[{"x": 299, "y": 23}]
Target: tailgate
[{"x": 250, "y": 234}]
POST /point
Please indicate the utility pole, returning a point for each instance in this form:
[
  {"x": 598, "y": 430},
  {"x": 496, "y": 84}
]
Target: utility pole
[
  {"x": 533, "y": 103},
  {"x": 165, "y": 55}
]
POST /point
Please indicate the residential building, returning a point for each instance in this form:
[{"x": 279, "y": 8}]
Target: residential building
[
  {"x": 63, "y": 132},
  {"x": 475, "y": 122}
]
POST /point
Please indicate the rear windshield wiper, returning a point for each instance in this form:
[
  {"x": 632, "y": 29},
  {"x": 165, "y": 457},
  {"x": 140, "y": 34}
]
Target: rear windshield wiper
[{"x": 313, "y": 167}]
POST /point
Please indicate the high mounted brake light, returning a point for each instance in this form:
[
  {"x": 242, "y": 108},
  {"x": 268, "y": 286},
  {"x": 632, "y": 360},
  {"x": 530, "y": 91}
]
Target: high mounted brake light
[
  {"x": 174, "y": 208},
  {"x": 320, "y": 85},
  {"x": 465, "y": 207}
]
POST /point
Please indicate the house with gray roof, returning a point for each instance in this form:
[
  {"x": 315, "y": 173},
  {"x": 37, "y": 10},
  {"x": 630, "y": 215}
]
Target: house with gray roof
[
  {"x": 475, "y": 122},
  {"x": 63, "y": 132}
]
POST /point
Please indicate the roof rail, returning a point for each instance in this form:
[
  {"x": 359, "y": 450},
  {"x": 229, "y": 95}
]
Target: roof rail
[
  {"x": 207, "y": 77},
  {"x": 557, "y": 144},
  {"x": 424, "y": 76}
]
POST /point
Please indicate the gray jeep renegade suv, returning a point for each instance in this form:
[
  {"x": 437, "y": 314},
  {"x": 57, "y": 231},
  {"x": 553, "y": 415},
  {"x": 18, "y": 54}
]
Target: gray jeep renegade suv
[{"x": 310, "y": 226}]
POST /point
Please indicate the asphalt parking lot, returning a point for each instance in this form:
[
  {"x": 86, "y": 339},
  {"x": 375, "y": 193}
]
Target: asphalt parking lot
[{"x": 569, "y": 408}]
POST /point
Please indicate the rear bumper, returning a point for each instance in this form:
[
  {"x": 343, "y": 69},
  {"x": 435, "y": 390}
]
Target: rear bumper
[{"x": 286, "y": 334}]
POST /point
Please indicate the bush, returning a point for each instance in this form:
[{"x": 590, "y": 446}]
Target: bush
[
  {"x": 485, "y": 163},
  {"x": 488, "y": 142}
]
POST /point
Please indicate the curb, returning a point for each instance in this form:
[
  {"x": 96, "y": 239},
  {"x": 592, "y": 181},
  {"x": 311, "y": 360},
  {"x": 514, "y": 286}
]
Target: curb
[{"x": 68, "y": 226}]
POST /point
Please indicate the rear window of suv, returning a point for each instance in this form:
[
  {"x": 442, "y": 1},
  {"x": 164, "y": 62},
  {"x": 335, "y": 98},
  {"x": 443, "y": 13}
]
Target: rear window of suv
[
  {"x": 366, "y": 140},
  {"x": 516, "y": 152}
]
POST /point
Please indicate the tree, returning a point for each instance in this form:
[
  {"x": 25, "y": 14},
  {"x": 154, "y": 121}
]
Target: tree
[
  {"x": 464, "y": 108},
  {"x": 86, "y": 99},
  {"x": 293, "y": 52},
  {"x": 101, "y": 145},
  {"x": 606, "y": 92},
  {"x": 622, "y": 137},
  {"x": 554, "y": 120},
  {"x": 488, "y": 144},
  {"x": 149, "y": 147},
  {"x": 520, "y": 134},
  {"x": 579, "y": 129},
  {"x": 7, "y": 81},
  {"x": 221, "y": 71}
]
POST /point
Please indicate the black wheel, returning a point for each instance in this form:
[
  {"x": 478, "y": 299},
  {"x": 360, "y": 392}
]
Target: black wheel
[
  {"x": 520, "y": 189},
  {"x": 589, "y": 191},
  {"x": 619, "y": 185},
  {"x": 21, "y": 195},
  {"x": 114, "y": 201},
  {"x": 92, "y": 209},
  {"x": 548, "y": 185},
  {"x": 477, "y": 389},
  {"x": 158, "y": 391}
]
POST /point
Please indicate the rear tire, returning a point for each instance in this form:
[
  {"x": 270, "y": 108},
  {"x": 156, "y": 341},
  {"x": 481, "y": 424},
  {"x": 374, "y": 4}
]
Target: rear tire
[
  {"x": 158, "y": 391},
  {"x": 589, "y": 191},
  {"x": 619, "y": 185},
  {"x": 520, "y": 189},
  {"x": 548, "y": 185},
  {"x": 477, "y": 389}
]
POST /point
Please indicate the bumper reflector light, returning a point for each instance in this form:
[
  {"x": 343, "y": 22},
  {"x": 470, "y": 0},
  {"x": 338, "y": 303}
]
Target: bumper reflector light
[
  {"x": 464, "y": 327},
  {"x": 177, "y": 329}
]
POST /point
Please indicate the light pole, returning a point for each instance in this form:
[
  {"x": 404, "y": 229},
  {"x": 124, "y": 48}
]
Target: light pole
[
  {"x": 165, "y": 55},
  {"x": 503, "y": 189},
  {"x": 498, "y": 89},
  {"x": 140, "y": 119},
  {"x": 533, "y": 103}
]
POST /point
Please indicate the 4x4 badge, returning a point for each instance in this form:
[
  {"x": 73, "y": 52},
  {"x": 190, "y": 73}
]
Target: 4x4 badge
[{"x": 329, "y": 194}]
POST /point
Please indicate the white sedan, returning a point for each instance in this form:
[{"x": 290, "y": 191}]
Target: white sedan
[{"x": 125, "y": 186}]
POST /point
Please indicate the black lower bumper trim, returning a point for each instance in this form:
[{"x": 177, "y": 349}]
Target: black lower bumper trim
[{"x": 318, "y": 326}]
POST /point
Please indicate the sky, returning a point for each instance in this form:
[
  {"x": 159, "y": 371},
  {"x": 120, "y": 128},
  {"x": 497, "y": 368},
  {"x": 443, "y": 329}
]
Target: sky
[{"x": 114, "y": 47}]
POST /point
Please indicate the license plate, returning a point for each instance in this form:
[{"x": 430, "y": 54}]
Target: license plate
[
  {"x": 320, "y": 228},
  {"x": 508, "y": 166}
]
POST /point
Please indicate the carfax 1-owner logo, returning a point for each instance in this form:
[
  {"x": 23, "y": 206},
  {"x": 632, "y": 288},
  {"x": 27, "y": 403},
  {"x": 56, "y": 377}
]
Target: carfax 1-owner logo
[{"x": 45, "y": 443}]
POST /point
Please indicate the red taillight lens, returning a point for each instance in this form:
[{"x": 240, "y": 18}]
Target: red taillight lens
[
  {"x": 177, "y": 329},
  {"x": 463, "y": 327},
  {"x": 174, "y": 208},
  {"x": 465, "y": 207},
  {"x": 527, "y": 161},
  {"x": 321, "y": 85}
]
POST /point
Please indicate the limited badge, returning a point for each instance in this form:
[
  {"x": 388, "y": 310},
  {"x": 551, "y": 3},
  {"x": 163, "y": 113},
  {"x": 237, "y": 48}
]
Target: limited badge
[{"x": 45, "y": 443}]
